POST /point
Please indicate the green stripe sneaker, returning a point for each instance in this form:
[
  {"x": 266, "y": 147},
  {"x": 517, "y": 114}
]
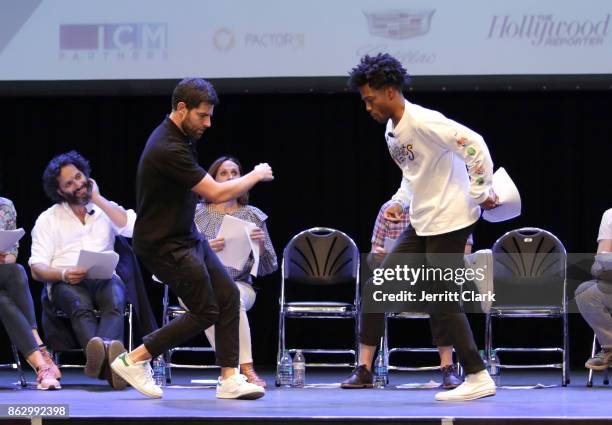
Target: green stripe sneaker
[
  {"x": 138, "y": 374},
  {"x": 237, "y": 387}
]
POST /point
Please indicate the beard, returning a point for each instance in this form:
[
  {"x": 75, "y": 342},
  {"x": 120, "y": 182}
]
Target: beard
[
  {"x": 78, "y": 196},
  {"x": 191, "y": 131}
]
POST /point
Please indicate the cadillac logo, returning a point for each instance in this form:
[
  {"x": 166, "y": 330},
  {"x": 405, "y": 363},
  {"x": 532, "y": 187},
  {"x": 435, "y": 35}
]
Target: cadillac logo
[{"x": 399, "y": 24}]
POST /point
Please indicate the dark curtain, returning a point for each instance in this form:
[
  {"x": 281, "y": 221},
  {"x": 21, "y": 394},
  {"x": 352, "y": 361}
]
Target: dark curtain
[{"x": 331, "y": 165}]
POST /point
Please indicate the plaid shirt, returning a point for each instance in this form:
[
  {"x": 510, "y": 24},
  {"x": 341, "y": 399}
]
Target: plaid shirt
[
  {"x": 8, "y": 219},
  {"x": 208, "y": 222},
  {"x": 386, "y": 229}
]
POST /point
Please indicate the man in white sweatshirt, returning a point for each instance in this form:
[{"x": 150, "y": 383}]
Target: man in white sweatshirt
[{"x": 446, "y": 180}]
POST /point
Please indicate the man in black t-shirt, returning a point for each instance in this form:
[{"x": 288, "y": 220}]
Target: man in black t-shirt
[{"x": 169, "y": 182}]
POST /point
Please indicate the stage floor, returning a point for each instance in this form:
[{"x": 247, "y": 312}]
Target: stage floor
[{"x": 183, "y": 401}]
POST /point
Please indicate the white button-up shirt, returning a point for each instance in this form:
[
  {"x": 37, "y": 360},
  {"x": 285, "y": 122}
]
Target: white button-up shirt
[{"x": 58, "y": 235}]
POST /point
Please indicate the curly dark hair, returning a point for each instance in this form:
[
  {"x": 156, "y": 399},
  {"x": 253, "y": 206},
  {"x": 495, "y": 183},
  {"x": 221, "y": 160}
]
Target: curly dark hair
[
  {"x": 50, "y": 184},
  {"x": 379, "y": 71},
  {"x": 214, "y": 168},
  {"x": 194, "y": 91}
]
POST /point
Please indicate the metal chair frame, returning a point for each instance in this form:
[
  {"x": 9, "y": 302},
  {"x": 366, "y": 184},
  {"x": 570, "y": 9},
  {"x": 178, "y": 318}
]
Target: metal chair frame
[
  {"x": 546, "y": 312},
  {"x": 16, "y": 365},
  {"x": 389, "y": 351},
  {"x": 606, "y": 379},
  {"x": 319, "y": 310},
  {"x": 170, "y": 312},
  {"x": 56, "y": 354}
]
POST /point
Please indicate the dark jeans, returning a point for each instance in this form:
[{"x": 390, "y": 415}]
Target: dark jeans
[
  {"x": 449, "y": 325},
  {"x": 79, "y": 302},
  {"x": 197, "y": 276},
  {"x": 17, "y": 308}
]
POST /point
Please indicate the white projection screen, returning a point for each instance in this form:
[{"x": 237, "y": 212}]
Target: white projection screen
[{"x": 314, "y": 41}]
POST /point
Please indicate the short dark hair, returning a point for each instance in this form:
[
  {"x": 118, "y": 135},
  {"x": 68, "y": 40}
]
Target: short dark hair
[
  {"x": 51, "y": 173},
  {"x": 214, "y": 168},
  {"x": 379, "y": 71},
  {"x": 193, "y": 91}
]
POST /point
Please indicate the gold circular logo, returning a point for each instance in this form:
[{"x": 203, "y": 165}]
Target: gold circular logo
[{"x": 223, "y": 39}]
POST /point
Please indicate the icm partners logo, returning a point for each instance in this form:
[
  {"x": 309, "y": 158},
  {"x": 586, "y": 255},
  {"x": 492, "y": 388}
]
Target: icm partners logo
[
  {"x": 547, "y": 30},
  {"x": 399, "y": 24},
  {"x": 128, "y": 41}
]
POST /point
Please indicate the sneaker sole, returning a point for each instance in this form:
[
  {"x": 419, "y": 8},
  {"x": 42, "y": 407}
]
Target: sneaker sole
[
  {"x": 96, "y": 355},
  {"x": 248, "y": 396},
  {"x": 474, "y": 396},
  {"x": 356, "y": 386},
  {"x": 127, "y": 379},
  {"x": 114, "y": 350}
]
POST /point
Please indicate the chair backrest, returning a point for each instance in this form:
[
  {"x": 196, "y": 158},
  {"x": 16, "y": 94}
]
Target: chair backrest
[
  {"x": 320, "y": 256},
  {"x": 529, "y": 268}
]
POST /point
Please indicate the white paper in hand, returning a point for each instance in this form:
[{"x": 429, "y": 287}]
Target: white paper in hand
[
  {"x": 99, "y": 265},
  {"x": 254, "y": 248},
  {"x": 237, "y": 242},
  {"x": 8, "y": 239},
  {"x": 509, "y": 198}
]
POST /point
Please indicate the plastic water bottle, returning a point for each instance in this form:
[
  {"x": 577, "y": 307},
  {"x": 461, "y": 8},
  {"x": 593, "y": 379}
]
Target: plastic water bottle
[
  {"x": 285, "y": 370},
  {"x": 381, "y": 374},
  {"x": 159, "y": 371},
  {"x": 494, "y": 369},
  {"x": 299, "y": 369}
]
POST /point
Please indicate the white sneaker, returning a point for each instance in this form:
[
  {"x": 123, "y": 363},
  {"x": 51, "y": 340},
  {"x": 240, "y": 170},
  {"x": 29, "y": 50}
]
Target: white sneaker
[
  {"x": 138, "y": 374},
  {"x": 236, "y": 386},
  {"x": 476, "y": 385}
]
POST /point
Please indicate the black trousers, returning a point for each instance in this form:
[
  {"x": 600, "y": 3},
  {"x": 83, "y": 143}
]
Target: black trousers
[
  {"x": 196, "y": 276},
  {"x": 449, "y": 324}
]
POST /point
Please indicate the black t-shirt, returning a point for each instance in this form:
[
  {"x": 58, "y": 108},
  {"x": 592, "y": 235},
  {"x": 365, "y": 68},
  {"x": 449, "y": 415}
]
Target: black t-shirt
[{"x": 167, "y": 170}]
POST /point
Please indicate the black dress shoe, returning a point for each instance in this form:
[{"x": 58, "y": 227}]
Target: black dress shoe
[
  {"x": 450, "y": 377},
  {"x": 360, "y": 377}
]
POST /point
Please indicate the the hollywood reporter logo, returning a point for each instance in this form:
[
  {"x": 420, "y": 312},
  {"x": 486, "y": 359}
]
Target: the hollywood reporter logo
[{"x": 548, "y": 30}]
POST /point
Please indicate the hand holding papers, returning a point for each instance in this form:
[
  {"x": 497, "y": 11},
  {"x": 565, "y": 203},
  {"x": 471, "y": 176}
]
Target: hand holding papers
[
  {"x": 509, "y": 198},
  {"x": 99, "y": 265},
  {"x": 238, "y": 243},
  {"x": 8, "y": 239}
]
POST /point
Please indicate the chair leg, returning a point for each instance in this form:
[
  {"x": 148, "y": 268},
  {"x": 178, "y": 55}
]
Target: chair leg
[
  {"x": 281, "y": 345},
  {"x": 22, "y": 378},
  {"x": 606, "y": 380},
  {"x": 385, "y": 347},
  {"x": 488, "y": 335},
  {"x": 356, "y": 338},
  {"x": 593, "y": 350},
  {"x": 566, "y": 371},
  {"x": 130, "y": 328},
  {"x": 168, "y": 362}
]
